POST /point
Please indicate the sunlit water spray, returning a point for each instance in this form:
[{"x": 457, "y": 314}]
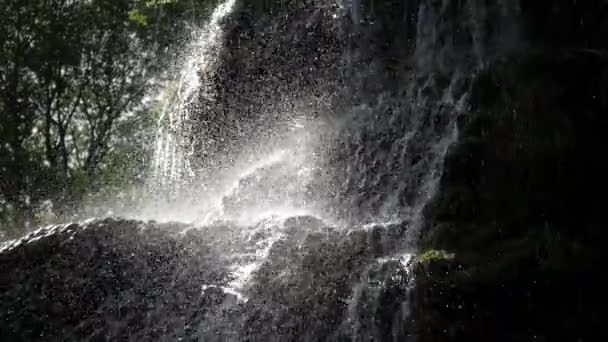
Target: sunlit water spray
[
  {"x": 266, "y": 188},
  {"x": 272, "y": 234},
  {"x": 256, "y": 195},
  {"x": 172, "y": 172}
]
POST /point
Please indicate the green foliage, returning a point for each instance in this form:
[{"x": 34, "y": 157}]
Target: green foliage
[
  {"x": 73, "y": 78},
  {"x": 136, "y": 17},
  {"x": 432, "y": 255}
]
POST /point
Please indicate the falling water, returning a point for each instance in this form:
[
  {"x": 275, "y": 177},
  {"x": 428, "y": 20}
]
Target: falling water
[
  {"x": 172, "y": 171},
  {"x": 268, "y": 190},
  {"x": 300, "y": 265}
]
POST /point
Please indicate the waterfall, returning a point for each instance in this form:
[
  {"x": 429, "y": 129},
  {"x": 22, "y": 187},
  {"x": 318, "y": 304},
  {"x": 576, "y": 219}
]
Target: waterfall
[
  {"x": 314, "y": 224},
  {"x": 172, "y": 172}
]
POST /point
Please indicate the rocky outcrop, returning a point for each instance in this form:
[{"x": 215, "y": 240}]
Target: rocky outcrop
[
  {"x": 515, "y": 206},
  {"x": 129, "y": 280},
  {"x": 280, "y": 60},
  {"x": 519, "y": 203},
  {"x": 107, "y": 280}
]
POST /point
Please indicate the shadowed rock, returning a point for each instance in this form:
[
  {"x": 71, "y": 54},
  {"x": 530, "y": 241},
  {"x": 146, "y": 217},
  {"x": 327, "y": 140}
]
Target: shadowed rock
[
  {"x": 105, "y": 280},
  {"x": 118, "y": 279}
]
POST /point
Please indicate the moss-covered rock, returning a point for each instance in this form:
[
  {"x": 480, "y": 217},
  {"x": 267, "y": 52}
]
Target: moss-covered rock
[{"x": 433, "y": 255}]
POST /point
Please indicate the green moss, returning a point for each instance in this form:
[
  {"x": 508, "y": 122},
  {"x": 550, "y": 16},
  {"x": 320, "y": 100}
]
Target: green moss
[
  {"x": 138, "y": 18},
  {"x": 433, "y": 255}
]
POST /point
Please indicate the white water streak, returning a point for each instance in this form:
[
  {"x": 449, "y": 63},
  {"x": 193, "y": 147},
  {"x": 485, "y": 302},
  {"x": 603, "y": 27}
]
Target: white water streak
[{"x": 172, "y": 169}]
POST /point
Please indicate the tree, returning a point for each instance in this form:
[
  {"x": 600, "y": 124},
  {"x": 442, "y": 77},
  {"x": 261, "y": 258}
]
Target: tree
[{"x": 74, "y": 76}]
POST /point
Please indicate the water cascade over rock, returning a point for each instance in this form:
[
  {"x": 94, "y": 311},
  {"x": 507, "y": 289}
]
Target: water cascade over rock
[
  {"x": 303, "y": 150},
  {"x": 172, "y": 172}
]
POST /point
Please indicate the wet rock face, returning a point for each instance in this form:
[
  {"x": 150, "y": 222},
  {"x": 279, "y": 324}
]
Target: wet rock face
[
  {"x": 509, "y": 200},
  {"x": 281, "y": 185},
  {"x": 129, "y": 280},
  {"x": 105, "y": 280},
  {"x": 566, "y": 24},
  {"x": 305, "y": 291},
  {"x": 511, "y": 207},
  {"x": 280, "y": 60}
]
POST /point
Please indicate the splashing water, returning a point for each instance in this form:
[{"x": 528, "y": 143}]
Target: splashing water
[
  {"x": 281, "y": 243},
  {"x": 266, "y": 190},
  {"x": 172, "y": 171}
]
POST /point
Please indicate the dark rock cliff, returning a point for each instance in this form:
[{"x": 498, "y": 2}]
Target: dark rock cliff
[
  {"x": 520, "y": 210},
  {"x": 104, "y": 280},
  {"x": 113, "y": 279}
]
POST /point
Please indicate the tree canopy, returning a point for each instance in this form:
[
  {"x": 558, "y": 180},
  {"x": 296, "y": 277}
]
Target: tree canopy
[{"x": 76, "y": 88}]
